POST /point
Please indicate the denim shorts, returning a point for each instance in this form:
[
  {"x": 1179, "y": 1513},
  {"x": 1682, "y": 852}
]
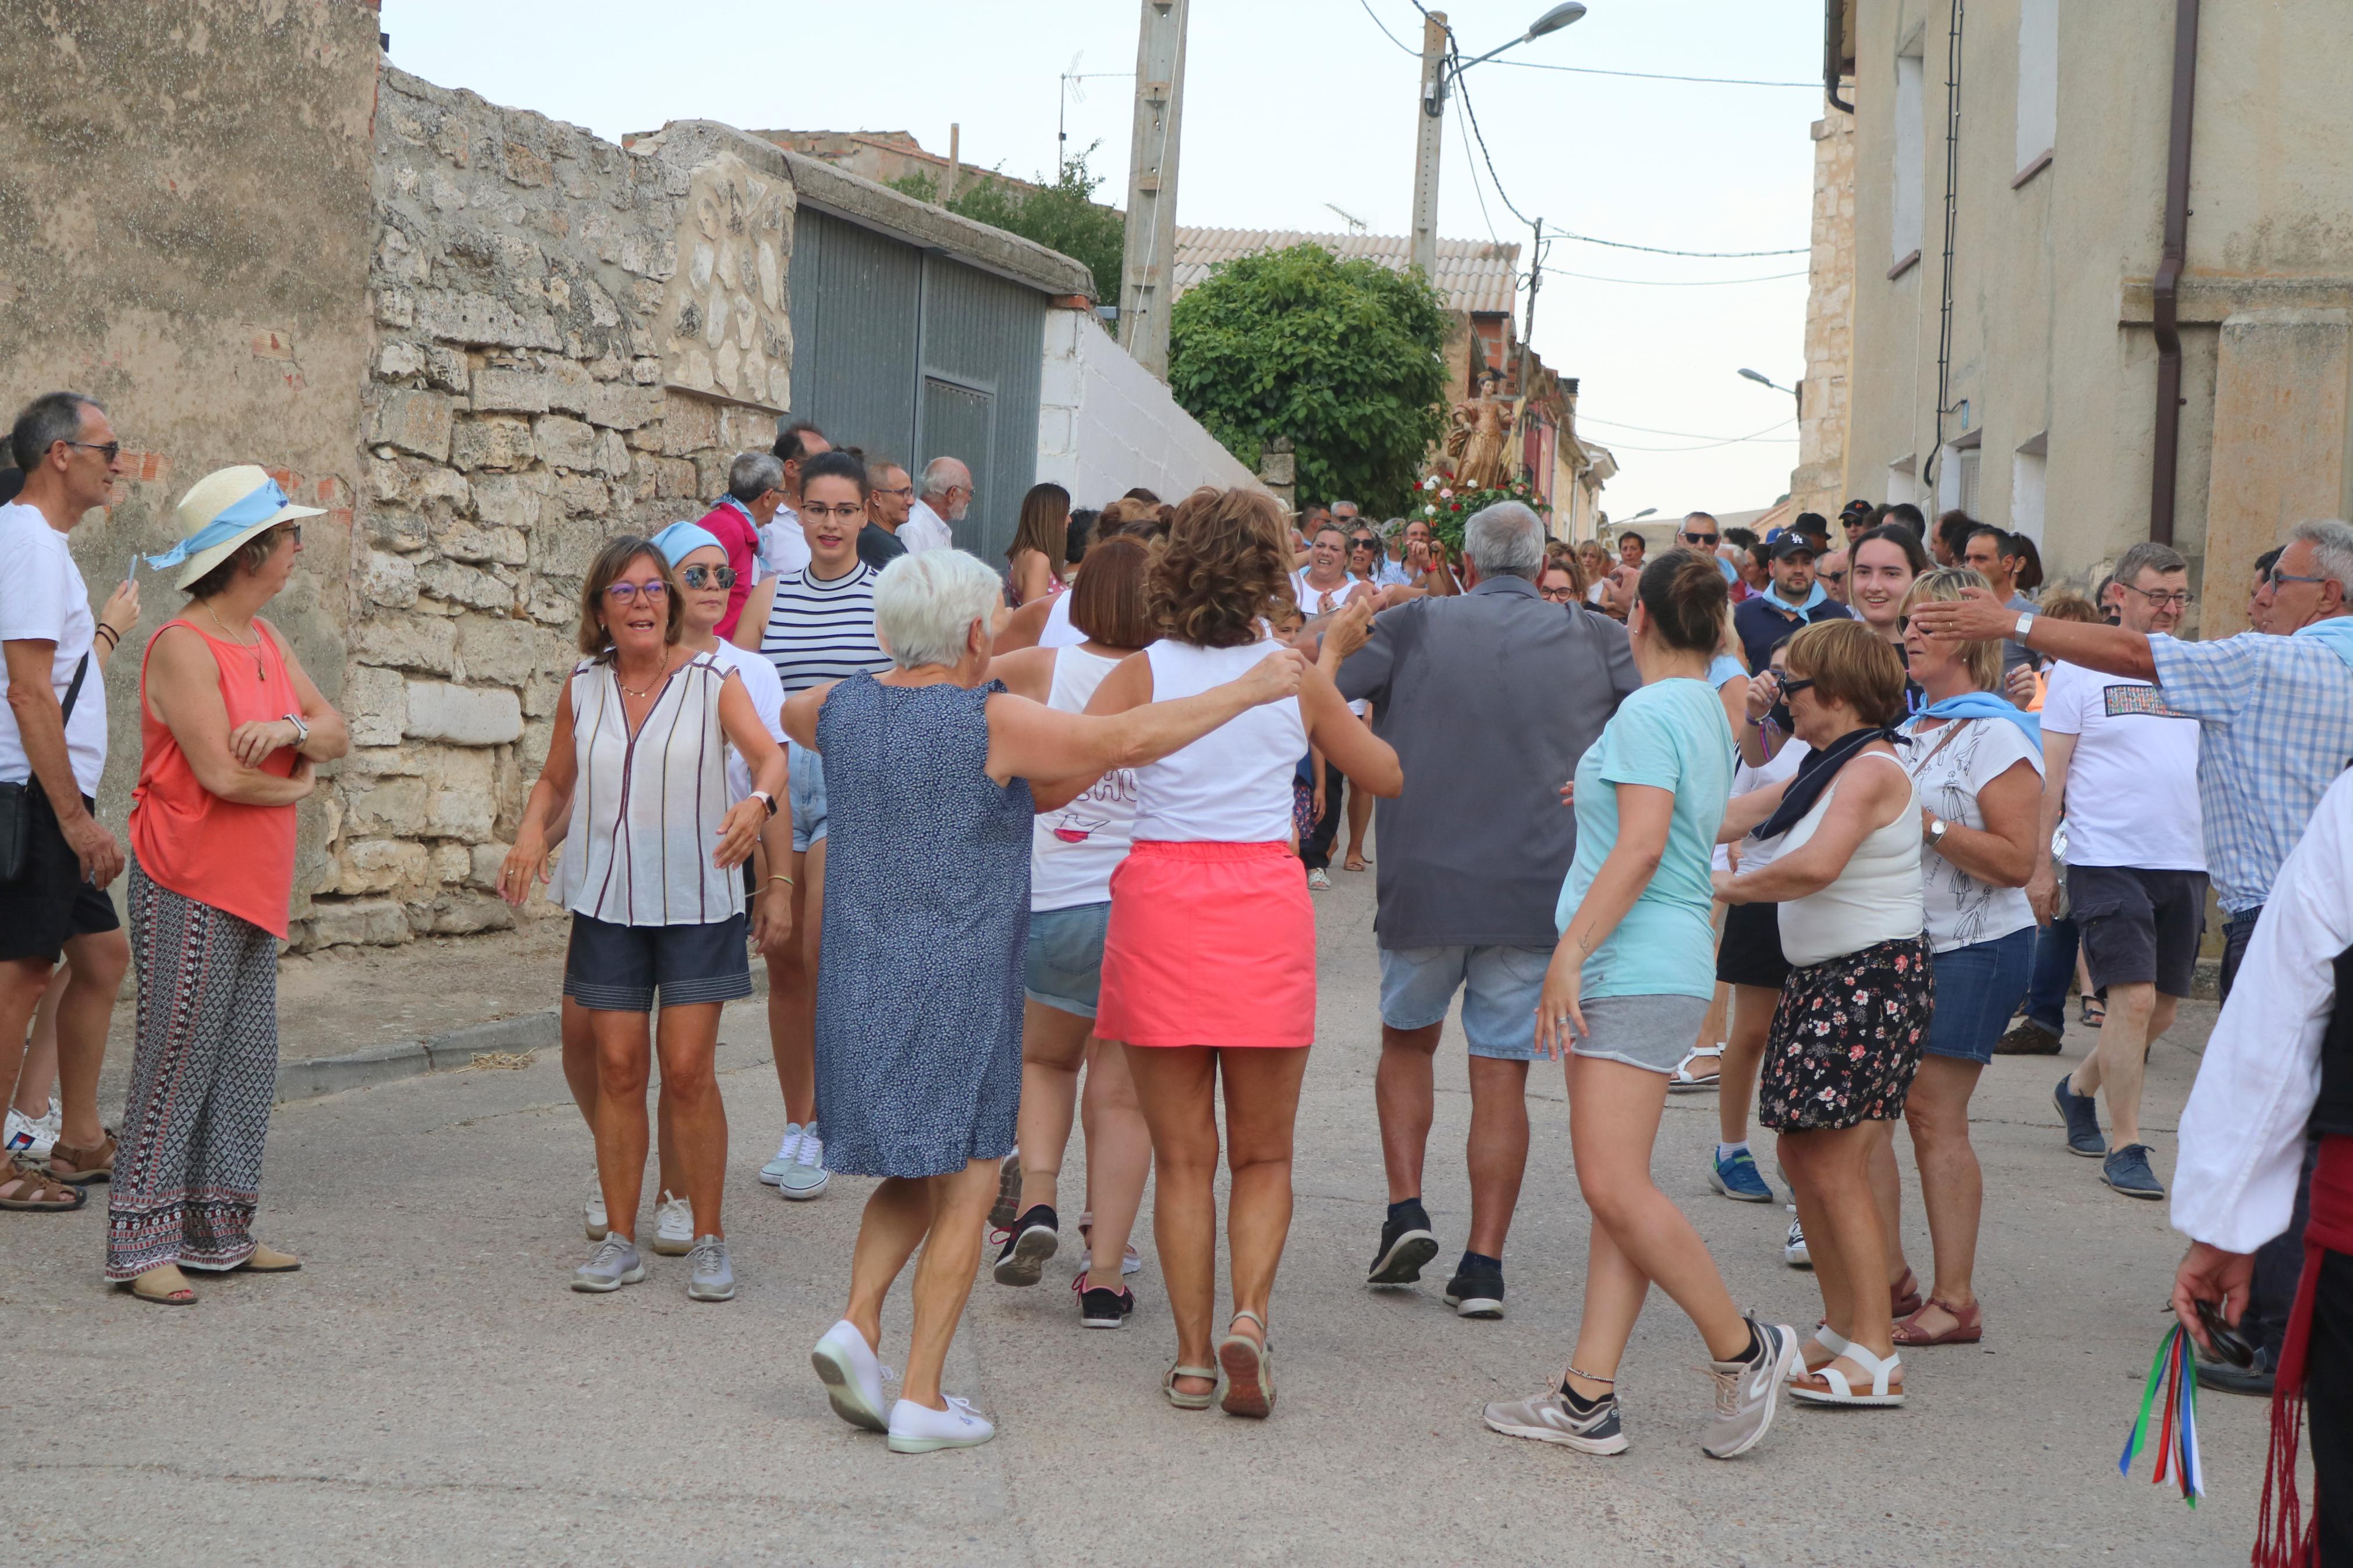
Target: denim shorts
[
  {"x": 613, "y": 968},
  {"x": 805, "y": 791},
  {"x": 1500, "y": 987},
  {"x": 1977, "y": 988},
  {"x": 1064, "y": 970}
]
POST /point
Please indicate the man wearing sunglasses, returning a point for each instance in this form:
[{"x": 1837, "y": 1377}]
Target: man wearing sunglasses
[
  {"x": 755, "y": 490},
  {"x": 1700, "y": 533},
  {"x": 1793, "y": 600}
]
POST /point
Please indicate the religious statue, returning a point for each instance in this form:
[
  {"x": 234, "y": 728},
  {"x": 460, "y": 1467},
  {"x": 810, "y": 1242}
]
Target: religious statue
[{"x": 1481, "y": 439}]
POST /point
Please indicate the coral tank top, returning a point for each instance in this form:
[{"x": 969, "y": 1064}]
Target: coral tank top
[{"x": 238, "y": 858}]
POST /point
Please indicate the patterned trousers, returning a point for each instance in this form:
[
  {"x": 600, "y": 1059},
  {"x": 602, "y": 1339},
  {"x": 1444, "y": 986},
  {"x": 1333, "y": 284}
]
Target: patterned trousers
[{"x": 187, "y": 1174}]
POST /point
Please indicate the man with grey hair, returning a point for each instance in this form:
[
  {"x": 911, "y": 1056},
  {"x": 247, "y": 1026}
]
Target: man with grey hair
[
  {"x": 755, "y": 490},
  {"x": 1490, "y": 698},
  {"x": 946, "y": 495},
  {"x": 2122, "y": 766},
  {"x": 888, "y": 496}
]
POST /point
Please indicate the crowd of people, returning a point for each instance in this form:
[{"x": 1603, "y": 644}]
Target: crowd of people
[{"x": 1820, "y": 829}]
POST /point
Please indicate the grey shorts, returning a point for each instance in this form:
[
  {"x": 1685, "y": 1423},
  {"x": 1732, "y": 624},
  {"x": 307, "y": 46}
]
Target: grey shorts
[
  {"x": 1064, "y": 967},
  {"x": 1653, "y": 1033},
  {"x": 806, "y": 790}
]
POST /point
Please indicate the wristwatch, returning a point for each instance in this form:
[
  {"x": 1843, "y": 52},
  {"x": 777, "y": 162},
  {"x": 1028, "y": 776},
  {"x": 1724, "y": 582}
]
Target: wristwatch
[
  {"x": 2025, "y": 625},
  {"x": 301, "y": 730},
  {"x": 1937, "y": 828},
  {"x": 765, "y": 798}
]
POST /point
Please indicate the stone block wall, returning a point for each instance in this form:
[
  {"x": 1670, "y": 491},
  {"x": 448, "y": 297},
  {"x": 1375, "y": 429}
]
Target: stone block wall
[
  {"x": 1821, "y": 481},
  {"x": 524, "y": 403}
]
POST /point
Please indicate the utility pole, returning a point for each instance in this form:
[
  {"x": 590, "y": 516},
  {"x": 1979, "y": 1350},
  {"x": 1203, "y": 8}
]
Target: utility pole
[
  {"x": 1429, "y": 127},
  {"x": 1528, "y": 332},
  {"x": 1152, "y": 185}
]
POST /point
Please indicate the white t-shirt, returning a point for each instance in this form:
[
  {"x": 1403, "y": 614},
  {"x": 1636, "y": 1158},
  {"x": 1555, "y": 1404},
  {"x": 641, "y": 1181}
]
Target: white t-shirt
[
  {"x": 925, "y": 529},
  {"x": 44, "y": 599},
  {"x": 1075, "y": 850},
  {"x": 1755, "y": 854},
  {"x": 1058, "y": 632},
  {"x": 783, "y": 547},
  {"x": 767, "y": 695},
  {"x": 2132, "y": 783},
  {"x": 1315, "y": 602},
  {"x": 1962, "y": 910}
]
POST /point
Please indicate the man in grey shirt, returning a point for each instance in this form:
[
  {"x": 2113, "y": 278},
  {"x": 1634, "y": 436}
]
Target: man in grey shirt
[{"x": 1490, "y": 698}]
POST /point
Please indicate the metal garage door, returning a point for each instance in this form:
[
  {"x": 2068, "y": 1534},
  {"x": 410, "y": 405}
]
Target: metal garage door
[{"x": 914, "y": 354}]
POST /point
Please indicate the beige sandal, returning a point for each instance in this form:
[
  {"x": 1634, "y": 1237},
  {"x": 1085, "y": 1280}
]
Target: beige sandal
[
  {"x": 28, "y": 1189},
  {"x": 1250, "y": 1371},
  {"x": 269, "y": 1260},
  {"x": 1190, "y": 1401},
  {"x": 163, "y": 1285}
]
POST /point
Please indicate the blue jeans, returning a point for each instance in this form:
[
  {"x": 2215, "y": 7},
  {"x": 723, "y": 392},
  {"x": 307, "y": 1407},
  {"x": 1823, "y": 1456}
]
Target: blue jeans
[{"x": 2054, "y": 965}]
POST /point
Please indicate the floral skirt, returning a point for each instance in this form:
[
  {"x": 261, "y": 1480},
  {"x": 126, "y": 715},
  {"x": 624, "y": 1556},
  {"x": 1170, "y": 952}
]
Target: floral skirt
[{"x": 1847, "y": 1038}]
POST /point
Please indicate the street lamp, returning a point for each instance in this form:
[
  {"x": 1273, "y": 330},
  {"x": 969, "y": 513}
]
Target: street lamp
[
  {"x": 1439, "y": 66},
  {"x": 1761, "y": 379},
  {"x": 1638, "y": 516}
]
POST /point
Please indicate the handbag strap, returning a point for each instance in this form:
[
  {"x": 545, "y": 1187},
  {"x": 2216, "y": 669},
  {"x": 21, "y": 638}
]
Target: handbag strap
[{"x": 74, "y": 691}]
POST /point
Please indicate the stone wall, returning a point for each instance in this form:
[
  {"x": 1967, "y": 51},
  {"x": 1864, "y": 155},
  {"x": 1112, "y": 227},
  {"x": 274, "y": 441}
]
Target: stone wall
[
  {"x": 572, "y": 341},
  {"x": 1820, "y": 482}
]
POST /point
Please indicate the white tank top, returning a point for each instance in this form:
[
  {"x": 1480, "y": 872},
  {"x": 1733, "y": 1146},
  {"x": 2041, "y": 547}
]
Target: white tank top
[
  {"x": 645, "y": 808},
  {"x": 1877, "y": 899},
  {"x": 1073, "y": 851},
  {"x": 1233, "y": 784}
]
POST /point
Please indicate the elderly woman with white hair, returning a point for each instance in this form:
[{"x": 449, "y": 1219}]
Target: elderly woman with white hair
[{"x": 928, "y": 773}]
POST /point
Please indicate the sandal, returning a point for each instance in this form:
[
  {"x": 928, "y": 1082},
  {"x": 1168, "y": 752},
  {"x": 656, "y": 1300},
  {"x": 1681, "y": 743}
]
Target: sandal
[
  {"x": 1969, "y": 1326},
  {"x": 1904, "y": 1296},
  {"x": 1684, "y": 1081},
  {"x": 28, "y": 1189},
  {"x": 163, "y": 1285},
  {"x": 269, "y": 1260},
  {"x": 2091, "y": 1013},
  {"x": 1250, "y": 1371},
  {"x": 1830, "y": 1339},
  {"x": 1829, "y": 1385},
  {"x": 80, "y": 1167},
  {"x": 1356, "y": 862},
  {"x": 1190, "y": 1401}
]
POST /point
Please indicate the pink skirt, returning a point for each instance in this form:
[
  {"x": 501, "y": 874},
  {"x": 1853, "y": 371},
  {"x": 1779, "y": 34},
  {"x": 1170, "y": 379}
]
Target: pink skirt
[{"x": 1209, "y": 944}]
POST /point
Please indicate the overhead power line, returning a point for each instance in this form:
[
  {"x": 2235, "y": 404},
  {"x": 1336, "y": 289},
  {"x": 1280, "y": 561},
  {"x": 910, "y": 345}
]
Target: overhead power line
[
  {"x": 1761, "y": 437},
  {"x": 1583, "y": 418},
  {"x": 1664, "y": 250},
  {"x": 1673, "y": 282},
  {"x": 1383, "y": 27},
  {"x": 1651, "y": 75}
]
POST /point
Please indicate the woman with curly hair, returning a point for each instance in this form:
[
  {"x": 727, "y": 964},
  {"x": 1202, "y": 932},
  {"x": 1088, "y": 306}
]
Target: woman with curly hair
[{"x": 1209, "y": 966}]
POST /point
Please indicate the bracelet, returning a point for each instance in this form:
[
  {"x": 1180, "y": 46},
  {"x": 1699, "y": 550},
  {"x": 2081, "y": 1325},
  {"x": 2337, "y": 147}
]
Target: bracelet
[
  {"x": 788, "y": 882},
  {"x": 112, "y": 637}
]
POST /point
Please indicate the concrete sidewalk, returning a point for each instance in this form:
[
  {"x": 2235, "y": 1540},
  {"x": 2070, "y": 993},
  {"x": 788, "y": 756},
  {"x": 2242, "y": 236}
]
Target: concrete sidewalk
[{"x": 429, "y": 1390}]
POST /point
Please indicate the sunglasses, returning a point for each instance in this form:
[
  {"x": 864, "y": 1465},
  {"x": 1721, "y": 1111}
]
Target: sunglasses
[
  {"x": 1707, "y": 539},
  {"x": 630, "y": 593},
  {"x": 1790, "y": 688},
  {"x": 109, "y": 450},
  {"x": 708, "y": 576},
  {"x": 1838, "y": 576}
]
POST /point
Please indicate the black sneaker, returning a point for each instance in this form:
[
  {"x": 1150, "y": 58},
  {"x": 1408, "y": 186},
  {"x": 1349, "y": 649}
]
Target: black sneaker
[
  {"x": 2027, "y": 1039},
  {"x": 1405, "y": 1244},
  {"x": 1103, "y": 1308},
  {"x": 1034, "y": 1238},
  {"x": 2080, "y": 1113},
  {"x": 1477, "y": 1289}
]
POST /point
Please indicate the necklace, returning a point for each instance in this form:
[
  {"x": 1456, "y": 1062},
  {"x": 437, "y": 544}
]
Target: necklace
[{"x": 259, "y": 635}]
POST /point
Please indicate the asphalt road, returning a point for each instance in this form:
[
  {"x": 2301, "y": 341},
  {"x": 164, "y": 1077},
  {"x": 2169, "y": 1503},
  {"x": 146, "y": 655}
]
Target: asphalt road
[{"x": 429, "y": 1390}]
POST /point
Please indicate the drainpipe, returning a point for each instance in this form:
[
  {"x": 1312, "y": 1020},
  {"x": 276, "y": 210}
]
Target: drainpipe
[
  {"x": 2164, "y": 295},
  {"x": 1834, "y": 52}
]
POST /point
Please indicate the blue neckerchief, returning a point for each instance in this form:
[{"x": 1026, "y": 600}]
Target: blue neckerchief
[
  {"x": 1800, "y": 612},
  {"x": 2336, "y": 633},
  {"x": 1981, "y": 705},
  {"x": 739, "y": 506}
]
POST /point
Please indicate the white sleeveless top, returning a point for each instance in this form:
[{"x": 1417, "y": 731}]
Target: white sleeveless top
[
  {"x": 1073, "y": 851},
  {"x": 1877, "y": 899},
  {"x": 646, "y": 807},
  {"x": 1233, "y": 784}
]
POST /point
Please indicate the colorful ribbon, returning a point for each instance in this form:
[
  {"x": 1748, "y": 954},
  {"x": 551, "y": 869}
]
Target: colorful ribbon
[
  {"x": 256, "y": 506},
  {"x": 2173, "y": 1377}
]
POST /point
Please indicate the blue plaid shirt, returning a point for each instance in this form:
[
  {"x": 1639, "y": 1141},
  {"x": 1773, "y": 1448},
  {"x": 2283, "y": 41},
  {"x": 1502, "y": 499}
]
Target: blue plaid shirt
[{"x": 2277, "y": 728}]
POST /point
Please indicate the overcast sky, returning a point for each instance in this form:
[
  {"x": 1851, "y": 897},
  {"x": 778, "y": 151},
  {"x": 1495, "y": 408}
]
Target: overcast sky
[{"x": 1290, "y": 105}]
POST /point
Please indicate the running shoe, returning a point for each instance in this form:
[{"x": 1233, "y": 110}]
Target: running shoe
[
  {"x": 1002, "y": 1212},
  {"x": 1477, "y": 1289},
  {"x": 1101, "y": 1306},
  {"x": 1738, "y": 1178},
  {"x": 1130, "y": 1261},
  {"x": 773, "y": 1173},
  {"x": 2081, "y": 1114},
  {"x": 2128, "y": 1171},
  {"x": 1547, "y": 1418},
  {"x": 714, "y": 1276},
  {"x": 614, "y": 1263},
  {"x": 673, "y": 1226},
  {"x": 1746, "y": 1392},
  {"x": 1407, "y": 1245},
  {"x": 1793, "y": 1249},
  {"x": 1036, "y": 1237},
  {"x": 806, "y": 1177},
  {"x": 592, "y": 1213}
]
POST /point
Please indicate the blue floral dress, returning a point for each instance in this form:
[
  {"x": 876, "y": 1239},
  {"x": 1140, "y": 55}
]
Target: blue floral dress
[{"x": 926, "y": 933}]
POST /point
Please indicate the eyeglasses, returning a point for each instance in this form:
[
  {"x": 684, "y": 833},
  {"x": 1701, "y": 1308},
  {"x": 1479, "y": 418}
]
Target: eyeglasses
[
  {"x": 110, "y": 450},
  {"x": 1839, "y": 576},
  {"x": 630, "y": 593},
  {"x": 893, "y": 489},
  {"x": 820, "y": 512},
  {"x": 707, "y": 576},
  {"x": 292, "y": 530},
  {"x": 2276, "y": 577},
  {"x": 1558, "y": 595},
  {"x": 2179, "y": 598},
  {"x": 1706, "y": 539},
  {"x": 1791, "y": 688}
]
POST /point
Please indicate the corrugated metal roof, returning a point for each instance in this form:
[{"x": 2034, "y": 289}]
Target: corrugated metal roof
[{"x": 1476, "y": 276}]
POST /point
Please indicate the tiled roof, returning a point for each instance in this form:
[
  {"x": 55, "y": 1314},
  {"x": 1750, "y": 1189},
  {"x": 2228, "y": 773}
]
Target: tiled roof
[{"x": 1476, "y": 276}]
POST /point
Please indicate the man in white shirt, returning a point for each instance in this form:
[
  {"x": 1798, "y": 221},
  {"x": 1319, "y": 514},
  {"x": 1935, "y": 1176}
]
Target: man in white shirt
[
  {"x": 782, "y": 547},
  {"x": 2136, "y": 858},
  {"x": 55, "y": 903},
  {"x": 946, "y": 497}
]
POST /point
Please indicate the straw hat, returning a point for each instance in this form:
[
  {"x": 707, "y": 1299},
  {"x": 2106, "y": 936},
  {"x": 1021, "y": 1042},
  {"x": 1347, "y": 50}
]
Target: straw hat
[{"x": 221, "y": 511}]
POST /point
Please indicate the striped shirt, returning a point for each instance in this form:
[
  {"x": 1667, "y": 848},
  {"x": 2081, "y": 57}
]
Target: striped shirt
[
  {"x": 646, "y": 810},
  {"x": 821, "y": 631}
]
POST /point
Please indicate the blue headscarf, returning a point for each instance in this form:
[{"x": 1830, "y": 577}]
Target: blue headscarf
[
  {"x": 1982, "y": 705},
  {"x": 681, "y": 540}
]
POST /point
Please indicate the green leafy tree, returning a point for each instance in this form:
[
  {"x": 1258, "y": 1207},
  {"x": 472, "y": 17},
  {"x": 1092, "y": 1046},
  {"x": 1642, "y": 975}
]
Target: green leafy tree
[
  {"x": 1342, "y": 357},
  {"x": 1062, "y": 215}
]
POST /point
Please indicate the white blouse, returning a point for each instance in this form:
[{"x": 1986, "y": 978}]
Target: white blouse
[{"x": 646, "y": 806}]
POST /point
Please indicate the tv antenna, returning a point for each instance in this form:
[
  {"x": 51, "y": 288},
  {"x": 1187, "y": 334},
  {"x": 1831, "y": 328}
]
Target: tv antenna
[
  {"x": 1356, "y": 225},
  {"x": 1072, "y": 87}
]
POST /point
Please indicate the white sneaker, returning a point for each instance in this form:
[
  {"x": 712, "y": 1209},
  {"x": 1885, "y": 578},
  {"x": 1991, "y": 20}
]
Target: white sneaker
[
  {"x": 846, "y": 1364},
  {"x": 806, "y": 1177},
  {"x": 1794, "y": 1251},
  {"x": 773, "y": 1173},
  {"x": 919, "y": 1429},
  {"x": 26, "y": 1136},
  {"x": 592, "y": 1213},
  {"x": 673, "y": 1226},
  {"x": 54, "y": 1119}
]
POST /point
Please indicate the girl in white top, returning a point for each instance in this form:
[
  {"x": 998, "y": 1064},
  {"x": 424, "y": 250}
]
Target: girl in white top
[
  {"x": 1211, "y": 950},
  {"x": 1847, "y": 878},
  {"x": 1080, "y": 841}
]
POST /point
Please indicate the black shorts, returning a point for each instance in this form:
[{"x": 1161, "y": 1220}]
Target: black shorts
[
  {"x": 1750, "y": 953},
  {"x": 2139, "y": 927},
  {"x": 51, "y": 902},
  {"x": 616, "y": 969}
]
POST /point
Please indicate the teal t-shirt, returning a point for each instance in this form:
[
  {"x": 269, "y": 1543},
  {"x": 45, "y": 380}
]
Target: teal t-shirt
[{"x": 1670, "y": 735}]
